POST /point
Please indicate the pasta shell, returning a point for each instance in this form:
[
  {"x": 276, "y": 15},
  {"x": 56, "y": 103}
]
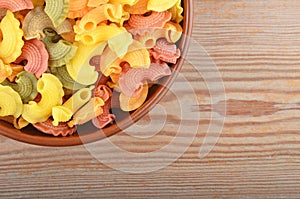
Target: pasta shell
[
  {"x": 61, "y": 114},
  {"x": 12, "y": 42},
  {"x": 139, "y": 8},
  {"x": 10, "y": 102},
  {"x": 47, "y": 127},
  {"x": 77, "y": 9},
  {"x": 96, "y": 3},
  {"x": 133, "y": 103},
  {"x": 20, "y": 123},
  {"x": 51, "y": 92},
  {"x": 177, "y": 11},
  {"x": 5, "y": 71},
  {"x": 16, "y": 5},
  {"x": 103, "y": 91},
  {"x": 57, "y": 11},
  {"x": 131, "y": 81},
  {"x": 106, "y": 117},
  {"x": 36, "y": 56},
  {"x": 25, "y": 86},
  {"x": 124, "y": 2},
  {"x": 165, "y": 51},
  {"x": 137, "y": 56},
  {"x": 161, "y": 5}
]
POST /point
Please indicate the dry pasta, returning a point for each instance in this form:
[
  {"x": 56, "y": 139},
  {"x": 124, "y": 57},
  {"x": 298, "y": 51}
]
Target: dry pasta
[
  {"x": 10, "y": 102},
  {"x": 16, "y": 5},
  {"x": 57, "y": 11},
  {"x": 5, "y": 71},
  {"x": 161, "y": 5}
]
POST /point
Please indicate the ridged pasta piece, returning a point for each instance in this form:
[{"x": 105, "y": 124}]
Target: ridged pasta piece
[
  {"x": 57, "y": 10},
  {"x": 16, "y": 5},
  {"x": 88, "y": 112},
  {"x": 133, "y": 103},
  {"x": 177, "y": 11},
  {"x": 165, "y": 51},
  {"x": 48, "y": 128},
  {"x": 10, "y": 102},
  {"x": 51, "y": 92},
  {"x": 96, "y": 3},
  {"x": 60, "y": 51},
  {"x": 11, "y": 43},
  {"x": 62, "y": 74},
  {"x": 147, "y": 39},
  {"x": 103, "y": 91},
  {"x": 79, "y": 67},
  {"x": 77, "y": 9},
  {"x": 139, "y": 8},
  {"x": 64, "y": 112},
  {"x": 172, "y": 32},
  {"x": 38, "y": 2},
  {"x": 5, "y": 71},
  {"x": 131, "y": 82},
  {"x": 25, "y": 85},
  {"x": 105, "y": 118},
  {"x": 120, "y": 43},
  {"x": 124, "y": 2},
  {"x": 36, "y": 56},
  {"x": 89, "y": 22},
  {"x": 161, "y": 5}
]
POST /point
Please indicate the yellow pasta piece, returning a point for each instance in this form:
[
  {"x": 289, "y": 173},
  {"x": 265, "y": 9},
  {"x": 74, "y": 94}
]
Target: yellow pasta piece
[
  {"x": 132, "y": 103},
  {"x": 173, "y": 32},
  {"x": 177, "y": 11},
  {"x": 51, "y": 91},
  {"x": 124, "y": 2},
  {"x": 139, "y": 8},
  {"x": 57, "y": 10},
  {"x": 161, "y": 5},
  {"x": 88, "y": 112},
  {"x": 12, "y": 43},
  {"x": 147, "y": 39},
  {"x": 79, "y": 67},
  {"x": 73, "y": 104},
  {"x": 5, "y": 71},
  {"x": 89, "y": 22},
  {"x": 10, "y": 102},
  {"x": 96, "y": 3},
  {"x": 20, "y": 123}
]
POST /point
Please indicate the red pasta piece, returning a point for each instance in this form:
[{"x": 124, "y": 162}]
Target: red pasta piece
[
  {"x": 36, "y": 55},
  {"x": 103, "y": 91},
  {"x": 131, "y": 82},
  {"x": 106, "y": 117},
  {"x": 16, "y": 5},
  {"x": 48, "y": 128},
  {"x": 165, "y": 51}
]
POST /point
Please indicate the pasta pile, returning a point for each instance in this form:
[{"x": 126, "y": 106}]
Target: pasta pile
[{"x": 67, "y": 62}]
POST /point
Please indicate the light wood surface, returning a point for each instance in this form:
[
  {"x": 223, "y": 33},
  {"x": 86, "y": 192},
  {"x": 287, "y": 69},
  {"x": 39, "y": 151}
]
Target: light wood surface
[{"x": 256, "y": 48}]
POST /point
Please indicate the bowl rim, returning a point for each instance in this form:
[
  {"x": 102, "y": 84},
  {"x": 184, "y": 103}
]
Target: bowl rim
[{"x": 48, "y": 140}]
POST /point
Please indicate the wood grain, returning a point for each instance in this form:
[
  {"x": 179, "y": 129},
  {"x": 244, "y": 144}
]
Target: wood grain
[{"x": 256, "y": 48}]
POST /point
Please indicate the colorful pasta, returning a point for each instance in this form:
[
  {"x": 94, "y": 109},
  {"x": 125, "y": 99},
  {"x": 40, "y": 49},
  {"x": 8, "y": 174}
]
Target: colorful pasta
[
  {"x": 10, "y": 102},
  {"x": 161, "y": 5},
  {"x": 96, "y": 3},
  {"x": 16, "y": 5},
  {"x": 12, "y": 43},
  {"x": 47, "y": 127},
  {"x": 57, "y": 11},
  {"x": 25, "y": 85},
  {"x": 5, "y": 71},
  {"x": 77, "y": 9},
  {"x": 51, "y": 92},
  {"x": 36, "y": 57}
]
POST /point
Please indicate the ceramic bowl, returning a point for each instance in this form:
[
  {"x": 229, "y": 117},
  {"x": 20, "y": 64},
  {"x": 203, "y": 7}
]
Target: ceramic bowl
[{"x": 87, "y": 133}]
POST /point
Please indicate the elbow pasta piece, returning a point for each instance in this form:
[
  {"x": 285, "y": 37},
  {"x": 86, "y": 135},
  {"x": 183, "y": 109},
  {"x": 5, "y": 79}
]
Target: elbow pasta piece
[
  {"x": 131, "y": 82},
  {"x": 67, "y": 81},
  {"x": 25, "y": 85},
  {"x": 47, "y": 127},
  {"x": 77, "y": 9},
  {"x": 161, "y": 5},
  {"x": 51, "y": 92},
  {"x": 61, "y": 51},
  {"x": 64, "y": 112},
  {"x": 79, "y": 67},
  {"x": 177, "y": 11},
  {"x": 132, "y": 103},
  {"x": 12, "y": 43},
  {"x": 36, "y": 56},
  {"x": 57, "y": 11},
  {"x": 16, "y": 5},
  {"x": 96, "y": 3},
  {"x": 165, "y": 51},
  {"x": 10, "y": 102},
  {"x": 5, "y": 71},
  {"x": 88, "y": 112}
]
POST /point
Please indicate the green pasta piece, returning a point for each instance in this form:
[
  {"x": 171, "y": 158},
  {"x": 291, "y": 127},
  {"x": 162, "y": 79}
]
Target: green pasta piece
[
  {"x": 60, "y": 51},
  {"x": 57, "y": 10},
  {"x": 62, "y": 74},
  {"x": 26, "y": 86}
]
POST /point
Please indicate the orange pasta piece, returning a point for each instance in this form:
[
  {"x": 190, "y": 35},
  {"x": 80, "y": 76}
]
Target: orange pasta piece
[
  {"x": 96, "y": 3},
  {"x": 131, "y": 83},
  {"x": 16, "y": 5},
  {"x": 36, "y": 55},
  {"x": 139, "y": 8},
  {"x": 16, "y": 69},
  {"x": 165, "y": 51},
  {"x": 106, "y": 117},
  {"x": 78, "y": 8}
]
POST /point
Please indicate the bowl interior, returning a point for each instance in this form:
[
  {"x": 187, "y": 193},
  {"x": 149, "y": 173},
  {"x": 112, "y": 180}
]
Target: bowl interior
[{"x": 87, "y": 133}]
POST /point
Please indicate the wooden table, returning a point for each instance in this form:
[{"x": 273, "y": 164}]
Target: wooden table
[{"x": 255, "y": 46}]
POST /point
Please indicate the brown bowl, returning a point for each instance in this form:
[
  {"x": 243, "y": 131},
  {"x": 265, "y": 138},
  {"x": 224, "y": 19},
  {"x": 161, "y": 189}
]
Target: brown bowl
[{"x": 87, "y": 133}]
